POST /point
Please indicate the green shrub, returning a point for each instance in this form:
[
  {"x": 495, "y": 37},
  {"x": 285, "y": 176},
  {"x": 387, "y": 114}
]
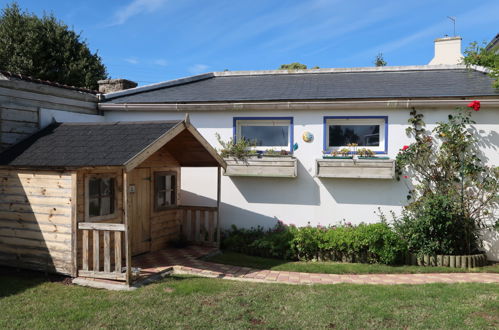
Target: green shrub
[
  {"x": 372, "y": 243},
  {"x": 435, "y": 225}
]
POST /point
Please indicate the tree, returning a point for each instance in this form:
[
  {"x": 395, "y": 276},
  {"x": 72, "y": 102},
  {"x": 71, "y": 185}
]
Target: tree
[
  {"x": 379, "y": 60},
  {"x": 45, "y": 48},
  {"x": 293, "y": 66},
  {"x": 480, "y": 55}
]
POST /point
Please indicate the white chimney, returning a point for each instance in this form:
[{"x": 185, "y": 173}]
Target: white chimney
[{"x": 447, "y": 51}]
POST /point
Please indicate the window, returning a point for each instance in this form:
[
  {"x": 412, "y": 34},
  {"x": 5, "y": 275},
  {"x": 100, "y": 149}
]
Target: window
[
  {"x": 165, "y": 190},
  {"x": 367, "y": 132},
  {"x": 266, "y": 133},
  {"x": 101, "y": 197}
]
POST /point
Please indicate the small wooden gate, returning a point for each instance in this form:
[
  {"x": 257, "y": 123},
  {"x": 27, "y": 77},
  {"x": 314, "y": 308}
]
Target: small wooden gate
[{"x": 103, "y": 252}]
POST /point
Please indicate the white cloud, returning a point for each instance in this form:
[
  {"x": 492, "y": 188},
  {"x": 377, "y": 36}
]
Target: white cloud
[
  {"x": 132, "y": 60},
  {"x": 134, "y": 8},
  {"x": 161, "y": 62},
  {"x": 198, "y": 68}
]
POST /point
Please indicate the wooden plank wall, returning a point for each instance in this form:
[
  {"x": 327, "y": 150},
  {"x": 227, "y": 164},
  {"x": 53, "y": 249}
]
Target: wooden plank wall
[
  {"x": 165, "y": 225},
  {"x": 20, "y": 102},
  {"x": 35, "y": 220}
]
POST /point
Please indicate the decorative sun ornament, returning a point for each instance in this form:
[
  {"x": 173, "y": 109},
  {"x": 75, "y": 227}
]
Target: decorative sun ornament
[{"x": 307, "y": 136}]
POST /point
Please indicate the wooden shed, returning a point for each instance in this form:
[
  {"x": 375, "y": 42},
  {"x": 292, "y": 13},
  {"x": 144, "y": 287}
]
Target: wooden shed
[{"x": 82, "y": 198}]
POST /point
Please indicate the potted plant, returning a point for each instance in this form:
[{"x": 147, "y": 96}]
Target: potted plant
[{"x": 365, "y": 153}]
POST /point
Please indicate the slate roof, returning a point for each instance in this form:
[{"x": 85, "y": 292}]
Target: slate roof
[
  {"x": 315, "y": 86},
  {"x": 85, "y": 144}
]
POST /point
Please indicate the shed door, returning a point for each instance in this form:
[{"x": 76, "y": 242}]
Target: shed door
[{"x": 139, "y": 211}]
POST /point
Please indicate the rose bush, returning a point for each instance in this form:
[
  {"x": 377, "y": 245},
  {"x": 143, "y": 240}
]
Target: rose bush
[{"x": 452, "y": 193}]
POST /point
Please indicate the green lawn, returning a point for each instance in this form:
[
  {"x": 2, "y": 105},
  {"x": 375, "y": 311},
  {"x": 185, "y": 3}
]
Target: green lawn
[
  {"x": 192, "y": 303},
  {"x": 238, "y": 259}
]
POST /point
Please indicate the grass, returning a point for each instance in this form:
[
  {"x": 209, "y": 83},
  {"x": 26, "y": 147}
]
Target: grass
[
  {"x": 238, "y": 259},
  {"x": 191, "y": 303}
]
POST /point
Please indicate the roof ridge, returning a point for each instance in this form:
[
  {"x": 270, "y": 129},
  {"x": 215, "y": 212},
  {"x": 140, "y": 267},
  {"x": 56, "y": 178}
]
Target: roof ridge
[
  {"x": 168, "y": 83},
  {"x": 351, "y": 70}
]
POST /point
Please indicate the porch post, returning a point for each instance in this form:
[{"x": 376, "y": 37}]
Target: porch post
[
  {"x": 128, "y": 245},
  {"x": 219, "y": 181}
]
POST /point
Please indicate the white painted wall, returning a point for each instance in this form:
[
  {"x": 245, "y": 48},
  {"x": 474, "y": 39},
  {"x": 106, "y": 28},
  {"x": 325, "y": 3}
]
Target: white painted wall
[
  {"x": 249, "y": 201},
  {"x": 48, "y": 116}
]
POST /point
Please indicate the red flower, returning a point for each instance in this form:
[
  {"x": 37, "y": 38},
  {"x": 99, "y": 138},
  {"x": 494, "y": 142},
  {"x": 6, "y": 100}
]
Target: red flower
[
  {"x": 475, "y": 105},
  {"x": 404, "y": 148},
  {"x": 406, "y": 177}
]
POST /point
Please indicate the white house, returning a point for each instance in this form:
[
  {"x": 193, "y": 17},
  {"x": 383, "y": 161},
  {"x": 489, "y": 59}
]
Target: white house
[
  {"x": 279, "y": 108},
  {"x": 306, "y": 112}
]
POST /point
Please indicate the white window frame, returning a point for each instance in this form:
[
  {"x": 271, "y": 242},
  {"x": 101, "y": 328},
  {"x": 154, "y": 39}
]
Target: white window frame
[
  {"x": 239, "y": 123},
  {"x": 381, "y": 121}
]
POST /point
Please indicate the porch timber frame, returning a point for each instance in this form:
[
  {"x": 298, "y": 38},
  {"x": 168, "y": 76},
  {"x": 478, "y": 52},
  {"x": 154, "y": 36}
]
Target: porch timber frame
[{"x": 106, "y": 248}]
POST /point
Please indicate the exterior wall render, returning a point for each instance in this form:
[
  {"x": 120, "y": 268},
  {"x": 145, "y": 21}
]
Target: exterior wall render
[{"x": 253, "y": 201}]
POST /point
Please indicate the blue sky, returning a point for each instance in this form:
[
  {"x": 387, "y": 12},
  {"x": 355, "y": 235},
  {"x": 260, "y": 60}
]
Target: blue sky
[{"x": 155, "y": 40}]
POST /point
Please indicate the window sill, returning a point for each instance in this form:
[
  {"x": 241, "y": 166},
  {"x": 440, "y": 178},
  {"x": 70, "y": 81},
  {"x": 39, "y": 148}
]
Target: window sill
[
  {"x": 278, "y": 166},
  {"x": 356, "y": 168}
]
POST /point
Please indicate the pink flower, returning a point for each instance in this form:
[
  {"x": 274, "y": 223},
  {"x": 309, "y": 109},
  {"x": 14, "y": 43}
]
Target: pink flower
[
  {"x": 475, "y": 105},
  {"x": 404, "y": 148}
]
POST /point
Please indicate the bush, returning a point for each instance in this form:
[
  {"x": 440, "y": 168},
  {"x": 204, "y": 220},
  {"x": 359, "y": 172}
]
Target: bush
[
  {"x": 452, "y": 192},
  {"x": 435, "y": 225},
  {"x": 371, "y": 243}
]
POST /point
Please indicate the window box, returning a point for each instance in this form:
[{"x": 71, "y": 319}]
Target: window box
[
  {"x": 356, "y": 168},
  {"x": 275, "y": 166}
]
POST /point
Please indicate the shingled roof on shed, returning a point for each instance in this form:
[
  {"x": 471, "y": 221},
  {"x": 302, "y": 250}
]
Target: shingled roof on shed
[
  {"x": 106, "y": 144},
  {"x": 322, "y": 84}
]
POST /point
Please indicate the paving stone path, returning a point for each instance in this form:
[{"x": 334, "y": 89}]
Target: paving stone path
[{"x": 186, "y": 261}]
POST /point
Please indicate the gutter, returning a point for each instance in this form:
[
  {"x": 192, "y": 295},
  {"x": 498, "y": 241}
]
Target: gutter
[{"x": 298, "y": 105}]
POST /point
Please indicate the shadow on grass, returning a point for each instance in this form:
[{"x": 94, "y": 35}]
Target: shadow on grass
[{"x": 14, "y": 281}]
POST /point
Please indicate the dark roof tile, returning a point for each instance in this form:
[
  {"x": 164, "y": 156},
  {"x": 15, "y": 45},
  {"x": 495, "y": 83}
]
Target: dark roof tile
[
  {"x": 85, "y": 144},
  {"x": 320, "y": 86}
]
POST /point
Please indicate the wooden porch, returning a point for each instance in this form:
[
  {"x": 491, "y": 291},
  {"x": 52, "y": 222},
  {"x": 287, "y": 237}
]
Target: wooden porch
[{"x": 106, "y": 247}]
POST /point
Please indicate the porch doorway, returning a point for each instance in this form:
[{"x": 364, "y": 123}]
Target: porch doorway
[{"x": 139, "y": 210}]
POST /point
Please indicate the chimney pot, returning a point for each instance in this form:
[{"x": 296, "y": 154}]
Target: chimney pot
[
  {"x": 115, "y": 85},
  {"x": 447, "y": 51}
]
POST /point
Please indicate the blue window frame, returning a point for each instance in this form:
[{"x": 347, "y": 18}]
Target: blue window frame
[
  {"x": 267, "y": 132},
  {"x": 367, "y": 131}
]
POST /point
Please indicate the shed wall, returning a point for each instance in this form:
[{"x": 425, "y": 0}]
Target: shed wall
[
  {"x": 21, "y": 103},
  {"x": 35, "y": 220}
]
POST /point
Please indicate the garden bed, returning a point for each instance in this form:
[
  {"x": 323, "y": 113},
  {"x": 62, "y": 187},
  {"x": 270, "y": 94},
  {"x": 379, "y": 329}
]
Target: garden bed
[{"x": 328, "y": 267}]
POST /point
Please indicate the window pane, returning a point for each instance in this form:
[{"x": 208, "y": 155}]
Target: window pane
[
  {"x": 105, "y": 206},
  {"x": 168, "y": 181},
  {"x": 363, "y": 135},
  {"x": 173, "y": 197},
  {"x": 106, "y": 186},
  {"x": 161, "y": 199},
  {"x": 268, "y": 136},
  {"x": 93, "y": 207},
  {"x": 160, "y": 182},
  {"x": 94, "y": 187}
]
